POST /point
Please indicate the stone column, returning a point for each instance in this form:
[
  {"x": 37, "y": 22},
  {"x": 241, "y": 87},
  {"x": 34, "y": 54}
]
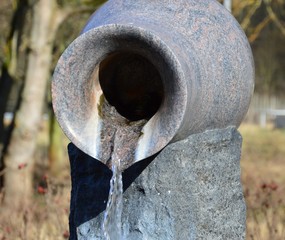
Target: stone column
[{"x": 190, "y": 190}]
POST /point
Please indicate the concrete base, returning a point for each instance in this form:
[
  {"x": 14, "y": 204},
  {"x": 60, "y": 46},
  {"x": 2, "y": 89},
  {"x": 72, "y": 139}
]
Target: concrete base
[{"x": 191, "y": 190}]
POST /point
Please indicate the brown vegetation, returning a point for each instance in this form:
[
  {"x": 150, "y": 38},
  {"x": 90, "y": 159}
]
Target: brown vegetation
[
  {"x": 46, "y": 218},
  {"x": 263, "y": 165}
]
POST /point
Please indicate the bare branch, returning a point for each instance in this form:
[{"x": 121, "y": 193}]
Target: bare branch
[
  {"x": 246, "y": 22},
  {"x": 274, "y": 17},
  {"x": 258, "y": 29}
]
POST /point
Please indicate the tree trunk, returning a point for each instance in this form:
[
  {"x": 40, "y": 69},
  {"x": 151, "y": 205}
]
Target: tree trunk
[
  {"x": 19, "y": 160},
  {"x": 228, "y": 4},
  {"x": 56, "y": 148},
  {"x": 10, "y": 73}
]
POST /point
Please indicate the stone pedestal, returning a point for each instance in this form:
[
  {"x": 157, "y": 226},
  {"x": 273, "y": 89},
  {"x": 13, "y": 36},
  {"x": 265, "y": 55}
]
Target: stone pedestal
[{"x": 190, "y": 190}]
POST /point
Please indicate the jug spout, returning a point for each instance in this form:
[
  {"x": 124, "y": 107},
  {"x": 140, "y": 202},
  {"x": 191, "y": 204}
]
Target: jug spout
[{"x": 133, "y": 70}]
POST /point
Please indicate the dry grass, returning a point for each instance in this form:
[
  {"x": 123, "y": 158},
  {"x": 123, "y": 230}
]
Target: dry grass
[
  {"x": 47, "y": 216},
  {"x": 263, "y": 177},
  {"x": 45, "y": 219}
]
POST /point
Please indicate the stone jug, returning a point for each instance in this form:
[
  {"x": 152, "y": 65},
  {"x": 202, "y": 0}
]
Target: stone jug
[{"x": 185, "y": 65}]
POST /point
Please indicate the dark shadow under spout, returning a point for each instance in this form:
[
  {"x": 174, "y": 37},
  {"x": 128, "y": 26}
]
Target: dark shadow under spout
[{"x": 91, "y": 185}]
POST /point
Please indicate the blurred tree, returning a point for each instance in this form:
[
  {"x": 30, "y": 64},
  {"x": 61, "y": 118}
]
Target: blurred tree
[
  {"x": 47, "y": 16},
  {"x": 56, "y": 148},
  {"x": 264, "y": 23},
  {"x": 228, "y": 4},
  {"x": 265, "y": 27},
  {"x": 255, "y": 15},
  {"x": 13, "y": 61},
  {"x": 19, "y": 157}
]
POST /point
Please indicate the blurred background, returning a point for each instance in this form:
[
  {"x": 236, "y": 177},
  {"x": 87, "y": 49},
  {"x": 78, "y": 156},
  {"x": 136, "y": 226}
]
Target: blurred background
[{"x": 34, "y": 166}]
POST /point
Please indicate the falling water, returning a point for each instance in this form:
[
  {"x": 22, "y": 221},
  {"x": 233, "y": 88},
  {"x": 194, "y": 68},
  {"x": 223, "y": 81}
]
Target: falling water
[
  {"x": 120, "y": 141},
  {"x": 112, "y": 224}
]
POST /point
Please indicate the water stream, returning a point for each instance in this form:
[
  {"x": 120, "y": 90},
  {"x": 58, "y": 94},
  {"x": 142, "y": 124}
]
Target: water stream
[
  {"x": 112, "y": 223},
  {"x": 119, "y": 139}
]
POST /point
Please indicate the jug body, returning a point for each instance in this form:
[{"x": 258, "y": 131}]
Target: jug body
[{"x": 185, "y": 66}]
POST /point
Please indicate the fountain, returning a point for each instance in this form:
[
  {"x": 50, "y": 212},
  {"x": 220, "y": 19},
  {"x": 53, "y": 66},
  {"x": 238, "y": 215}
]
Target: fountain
[{"x": 160, "y": 85}]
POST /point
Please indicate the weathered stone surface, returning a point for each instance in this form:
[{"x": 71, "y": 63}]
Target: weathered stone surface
[{"x": 191, "y": 190}]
